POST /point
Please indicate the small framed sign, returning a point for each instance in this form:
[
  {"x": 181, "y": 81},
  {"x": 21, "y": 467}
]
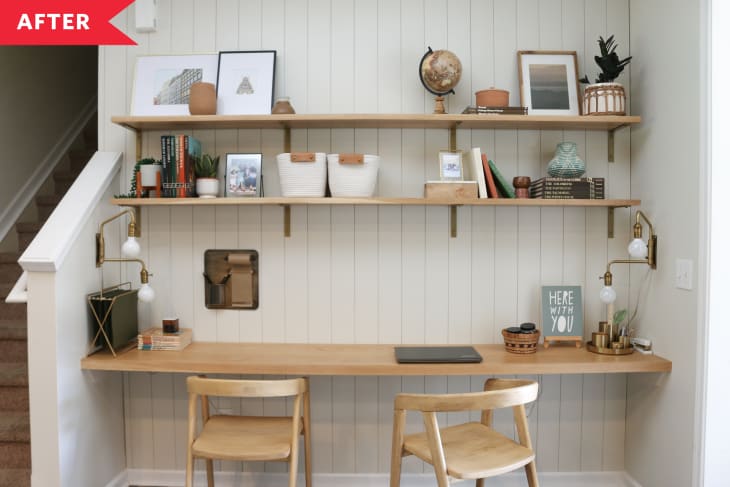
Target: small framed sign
[
  {"x": 450, "y": 166},
  {"x": 562, "y": 314}
]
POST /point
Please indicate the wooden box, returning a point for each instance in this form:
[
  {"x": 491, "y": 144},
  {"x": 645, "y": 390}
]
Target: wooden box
[{"x": 459, "y": 190}]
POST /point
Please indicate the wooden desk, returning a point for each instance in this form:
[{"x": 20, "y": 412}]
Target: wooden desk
[{"x": 354, "y": 360}]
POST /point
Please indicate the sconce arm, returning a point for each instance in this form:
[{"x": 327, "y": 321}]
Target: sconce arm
[
  {"x": 132, "y": 231},
  {"x": 143, "y": 275},
  {"x": 641, "y": 214}
]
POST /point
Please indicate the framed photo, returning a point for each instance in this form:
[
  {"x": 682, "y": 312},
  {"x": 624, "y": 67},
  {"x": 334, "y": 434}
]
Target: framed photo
[
  {"x": 451, "y": 167},
  {"x": 549, "y": 82},
  {"x": 162, "y": 83},
  {"x": 245, "y": 82},
  {"x": 243, "y": 175}
]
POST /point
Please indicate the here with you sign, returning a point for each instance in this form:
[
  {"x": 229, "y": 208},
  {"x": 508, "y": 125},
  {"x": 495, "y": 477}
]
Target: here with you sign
[{"x": 562, "y": 311}]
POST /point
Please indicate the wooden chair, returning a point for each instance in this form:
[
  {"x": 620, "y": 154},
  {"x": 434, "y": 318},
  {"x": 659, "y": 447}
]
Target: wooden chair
[
  {"x": 248, "y": 438},
  {"x": 471, "y": 450}
]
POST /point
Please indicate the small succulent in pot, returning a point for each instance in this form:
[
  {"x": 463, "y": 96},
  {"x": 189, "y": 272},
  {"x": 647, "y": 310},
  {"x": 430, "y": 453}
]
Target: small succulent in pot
[
  {"x": 609, "y": 62},
  {"x": 206, "y": 166}
]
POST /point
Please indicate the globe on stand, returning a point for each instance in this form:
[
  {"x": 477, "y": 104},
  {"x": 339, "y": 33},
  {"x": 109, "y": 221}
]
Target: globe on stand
[{"x": 439, "y": 71}]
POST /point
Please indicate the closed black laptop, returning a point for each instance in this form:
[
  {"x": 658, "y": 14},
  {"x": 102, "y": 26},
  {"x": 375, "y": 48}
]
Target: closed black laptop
[{"x": 436, "y": 354}]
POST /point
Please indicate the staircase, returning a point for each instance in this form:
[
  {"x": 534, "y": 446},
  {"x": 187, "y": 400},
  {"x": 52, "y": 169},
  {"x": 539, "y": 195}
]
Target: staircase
[{"x": 14, "y": 412}]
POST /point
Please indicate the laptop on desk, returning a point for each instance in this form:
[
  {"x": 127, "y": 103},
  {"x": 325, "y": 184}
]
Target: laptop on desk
[{"x": 437, "y": 354}]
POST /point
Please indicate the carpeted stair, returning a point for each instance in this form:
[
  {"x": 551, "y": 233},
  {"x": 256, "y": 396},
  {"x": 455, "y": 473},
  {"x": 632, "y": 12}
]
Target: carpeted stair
[{"x": 14, "y": 413}]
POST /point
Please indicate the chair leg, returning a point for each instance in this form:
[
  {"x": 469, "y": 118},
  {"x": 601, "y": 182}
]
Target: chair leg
[
  {"x": 307, "y": 442},
  {"x": 531, "y": 472},
  {"x": 189, "y": 470},
  {"x": 209, "y": 472},
  {"x": 396, "y": 454},
  {"x": 479, "y": 483}
]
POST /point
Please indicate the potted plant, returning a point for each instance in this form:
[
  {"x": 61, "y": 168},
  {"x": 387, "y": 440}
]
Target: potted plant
[
  {"x": 147, "y": 168},
  {"x": 206, "y": 172},
  {"x": 605, "y": 96}
]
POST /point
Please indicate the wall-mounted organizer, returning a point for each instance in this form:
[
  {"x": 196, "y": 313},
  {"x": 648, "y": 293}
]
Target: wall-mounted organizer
[{"x": 231, "y": 279}]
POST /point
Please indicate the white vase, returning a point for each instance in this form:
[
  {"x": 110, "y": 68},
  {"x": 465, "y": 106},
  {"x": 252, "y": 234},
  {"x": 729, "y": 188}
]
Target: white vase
[
  {"x": 207, "y": 187},
  {"x": 149, "y": 174}
]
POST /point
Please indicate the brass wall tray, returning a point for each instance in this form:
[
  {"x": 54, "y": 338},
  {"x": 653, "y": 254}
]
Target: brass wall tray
[{"x": 608, "y": 351}]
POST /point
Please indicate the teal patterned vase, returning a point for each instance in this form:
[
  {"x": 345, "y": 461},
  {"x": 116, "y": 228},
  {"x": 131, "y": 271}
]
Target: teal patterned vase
[{"x": 566, "y": 163}]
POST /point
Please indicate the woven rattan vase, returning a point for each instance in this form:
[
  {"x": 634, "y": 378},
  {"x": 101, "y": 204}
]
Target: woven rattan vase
[{"x": 566, "y": 163}]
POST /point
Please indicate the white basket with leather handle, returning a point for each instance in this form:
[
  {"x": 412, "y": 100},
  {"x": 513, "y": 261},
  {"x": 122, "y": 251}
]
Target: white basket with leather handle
[
  {"x": 302, "y": 173},
  {"x": 352, "y": 175}
]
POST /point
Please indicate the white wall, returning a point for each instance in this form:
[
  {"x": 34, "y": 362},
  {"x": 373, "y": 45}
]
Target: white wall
[
  {"x": 666, "y": 168},
  {"x": 365, "y": 275}
]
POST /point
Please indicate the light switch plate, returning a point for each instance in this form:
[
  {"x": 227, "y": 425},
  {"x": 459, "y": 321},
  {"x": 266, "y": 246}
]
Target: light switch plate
[
  {"x": 683, "y": 274},
  {"x": 145, "y": 16}
]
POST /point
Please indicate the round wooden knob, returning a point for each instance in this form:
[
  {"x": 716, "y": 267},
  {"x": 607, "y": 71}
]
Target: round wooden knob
[{"x": 522, "y": 186}]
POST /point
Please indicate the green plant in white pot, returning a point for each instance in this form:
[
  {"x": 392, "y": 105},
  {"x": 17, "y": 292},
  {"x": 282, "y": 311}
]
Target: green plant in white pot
[
  {"x": 206, "y": 172},
  {"x": 605, "y": 96}
]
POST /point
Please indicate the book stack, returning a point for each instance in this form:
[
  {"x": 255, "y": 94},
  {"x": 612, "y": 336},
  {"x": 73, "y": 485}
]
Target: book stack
[
  {"x": 155, "y": 339},
  {"x": 568, "y": 188},
  {"x": 178, "y": 158}
]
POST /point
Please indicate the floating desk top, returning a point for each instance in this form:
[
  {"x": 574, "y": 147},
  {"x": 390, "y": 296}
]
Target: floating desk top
[{"x": 360, "y": 359}]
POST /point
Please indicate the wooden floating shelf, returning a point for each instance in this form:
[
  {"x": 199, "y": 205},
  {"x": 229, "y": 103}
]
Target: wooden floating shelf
[
  {"x": 281, "y": 201},
  {"x": 362, "y": 359},
  {"x": 383, "y": 121}
]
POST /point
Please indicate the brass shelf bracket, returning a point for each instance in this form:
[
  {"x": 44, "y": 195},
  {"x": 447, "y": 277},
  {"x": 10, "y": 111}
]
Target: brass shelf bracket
[
  {"x": 452, "y": 137},
  {"x": 611, "y": 155},
  {"x": 287, "y": 139},
  {"x": 452, "y": 220},
  {"x": 610, "y": 222},
  {"x": 287, "y": 220}
]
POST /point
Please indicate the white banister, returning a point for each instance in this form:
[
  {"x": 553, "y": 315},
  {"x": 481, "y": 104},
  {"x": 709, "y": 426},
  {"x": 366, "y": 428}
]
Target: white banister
[{"x": 19, "y": 293}]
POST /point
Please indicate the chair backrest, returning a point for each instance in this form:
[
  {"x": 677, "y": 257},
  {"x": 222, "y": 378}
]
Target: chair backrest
[
  {"x": 246, "y": 388},
  {"x": 499, "y": 395}
]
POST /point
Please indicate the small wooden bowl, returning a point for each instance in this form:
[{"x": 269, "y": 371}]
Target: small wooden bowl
[{"x": 521, "y": 343}]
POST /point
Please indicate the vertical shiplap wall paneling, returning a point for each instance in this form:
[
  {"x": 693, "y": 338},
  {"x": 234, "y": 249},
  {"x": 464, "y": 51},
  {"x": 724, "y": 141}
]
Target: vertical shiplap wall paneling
[{"x": 389, "y": 274}]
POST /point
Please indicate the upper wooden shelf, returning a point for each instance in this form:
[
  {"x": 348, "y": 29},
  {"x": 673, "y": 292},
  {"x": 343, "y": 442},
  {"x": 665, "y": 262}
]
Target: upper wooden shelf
[
  {"x": 361, "y": 359},
  {"x": 472, "y": 121},
  {"x": 281, "y": 201}
]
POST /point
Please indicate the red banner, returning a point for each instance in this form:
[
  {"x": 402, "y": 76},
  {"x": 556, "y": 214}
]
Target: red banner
[{"x": 56, "y": 22}]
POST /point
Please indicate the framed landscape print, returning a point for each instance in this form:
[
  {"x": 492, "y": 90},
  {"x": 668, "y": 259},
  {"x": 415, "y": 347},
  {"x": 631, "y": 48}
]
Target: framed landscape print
[
  {"x": 162, "y": 83},
  {"x": 549, "y": 82},
  {"x": 246, "y": 82},
  {"x": 243, "y": 175}
]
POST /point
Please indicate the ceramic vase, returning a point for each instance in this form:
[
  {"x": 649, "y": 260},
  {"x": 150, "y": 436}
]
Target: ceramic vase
[
  {"x": 149, "y": 174},
  {"x": 207, "y": 187},
  {"x": 566, "y": 163},
  {"x": 202, "y": 99},
  {"x": 282, "y": 106}
]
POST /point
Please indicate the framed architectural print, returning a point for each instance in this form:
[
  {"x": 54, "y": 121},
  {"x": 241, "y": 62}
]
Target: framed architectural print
[
  {"x": 549, "y": 82},
  {"x": 243, "y": 175},
  {"x": 246, "y": 82},
  {"x": 162, "y": 83},
  {"x": 451, "y": 167}
]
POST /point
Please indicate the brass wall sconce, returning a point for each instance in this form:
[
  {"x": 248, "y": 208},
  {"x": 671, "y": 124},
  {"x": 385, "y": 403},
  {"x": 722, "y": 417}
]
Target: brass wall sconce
[
  {"x": 130, "y": 252},
  {"x": 641, "y": 253}
]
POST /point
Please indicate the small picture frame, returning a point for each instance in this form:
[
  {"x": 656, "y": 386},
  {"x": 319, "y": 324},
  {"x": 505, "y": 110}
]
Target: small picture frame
[
  {"x": 245, "y": 82},
  {"x": 243, "y": 175},
  {"x": 451, "y": 167},
  {"x": 549, "y": 82},
  {"x": 162, "y": 83}
]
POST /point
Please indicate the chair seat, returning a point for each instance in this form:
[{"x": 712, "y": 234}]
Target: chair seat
[
  {"x": 472, "y": 451},
  {"x": 245, "y": 438}
]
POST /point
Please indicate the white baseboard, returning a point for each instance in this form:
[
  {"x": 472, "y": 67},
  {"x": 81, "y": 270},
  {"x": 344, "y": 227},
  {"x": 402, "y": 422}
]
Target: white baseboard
[
  {"x": 119, "y": 481},
  {"x": 174, "y": 478}
]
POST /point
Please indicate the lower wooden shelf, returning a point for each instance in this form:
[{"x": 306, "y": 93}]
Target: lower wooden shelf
[
  {"x": 282, "y": 201},
  {"x": 363, "y": 360}
]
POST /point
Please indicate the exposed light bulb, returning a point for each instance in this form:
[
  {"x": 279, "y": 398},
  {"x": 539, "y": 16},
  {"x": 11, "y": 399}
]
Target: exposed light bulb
[
  {"x": 638, "y": 249},
  {"x": 146, "y": 293},
  {"x": 130, "y": 248},
  {"x": 607, "y": 295}
]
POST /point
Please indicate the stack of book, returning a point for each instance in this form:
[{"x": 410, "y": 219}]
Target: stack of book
[
  {"x": 155, "y": 339},
  {"x": 178, "y": 156},
  {"x": 568, "y": 188}
]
